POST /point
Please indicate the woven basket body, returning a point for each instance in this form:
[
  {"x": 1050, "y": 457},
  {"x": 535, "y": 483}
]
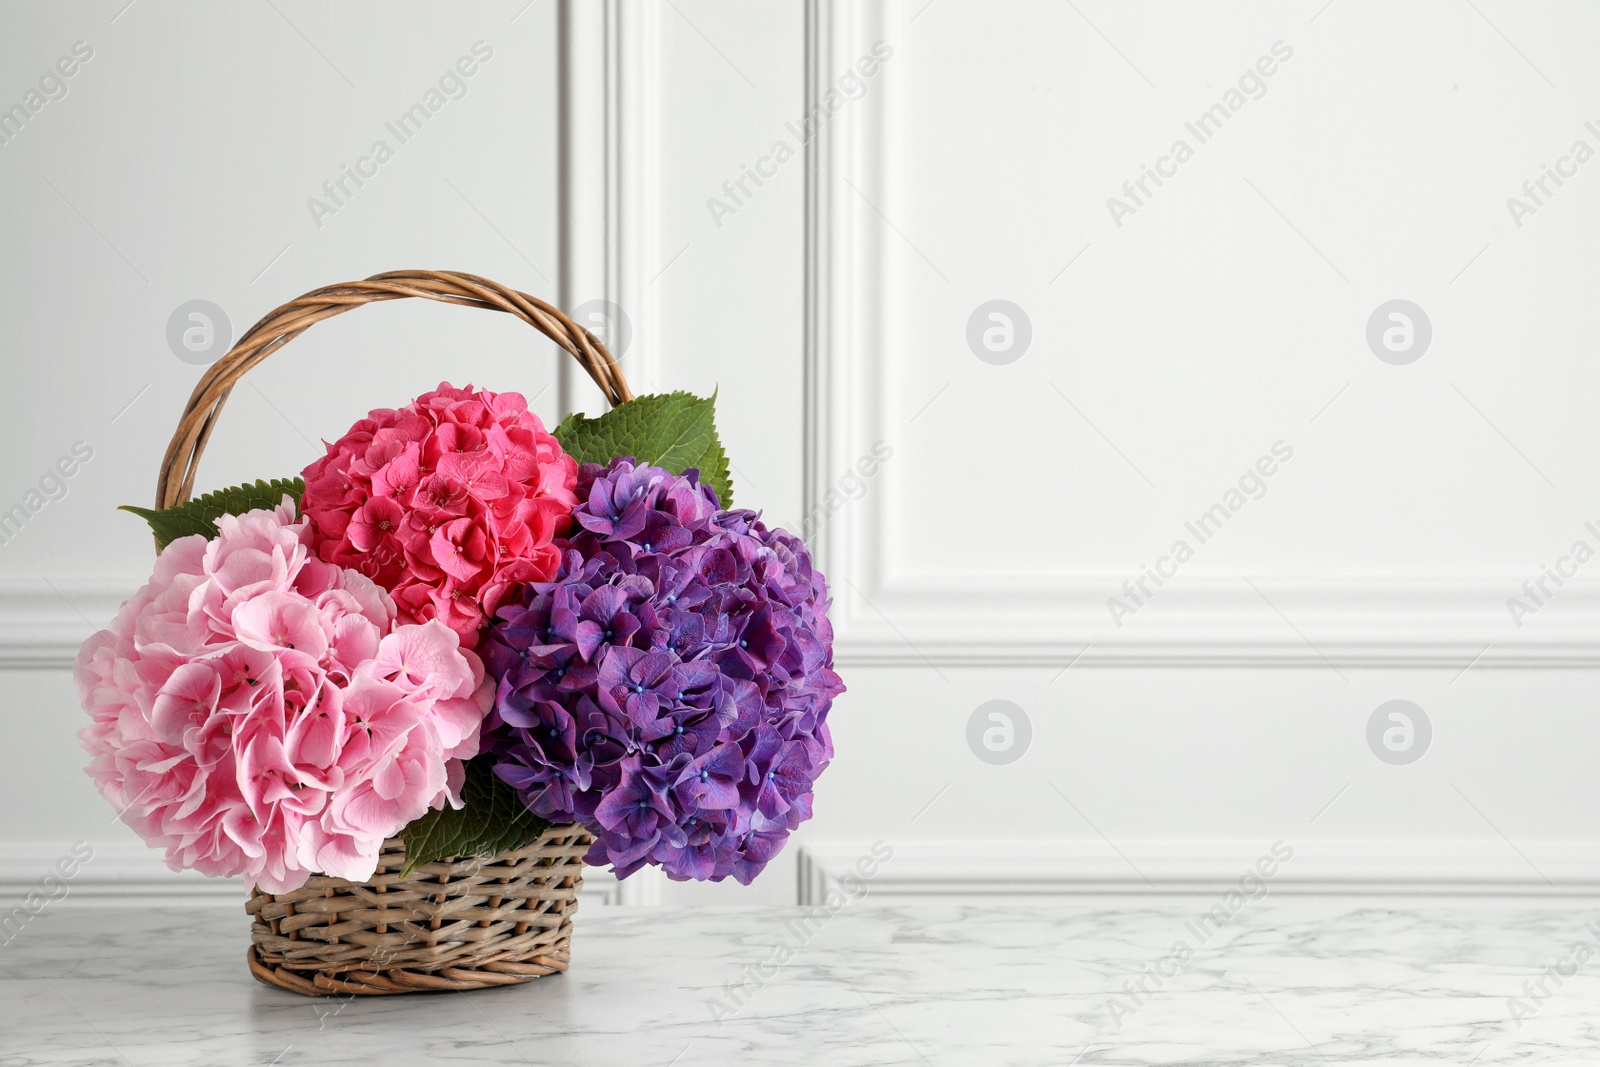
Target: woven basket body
[{"x": 461, "y": 924}]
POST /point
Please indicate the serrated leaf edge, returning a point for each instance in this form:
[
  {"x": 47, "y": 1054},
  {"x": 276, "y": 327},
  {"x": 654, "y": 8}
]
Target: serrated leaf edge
[
  {"x": 571, "y": 431},
  {"x": 207, "y": 508}
]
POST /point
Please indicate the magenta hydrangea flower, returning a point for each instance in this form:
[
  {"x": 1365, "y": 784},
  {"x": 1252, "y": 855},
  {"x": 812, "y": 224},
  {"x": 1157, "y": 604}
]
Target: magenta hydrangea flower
[
  {"x": 449, "y": 503},
  {"x": 670, "y": 687}
]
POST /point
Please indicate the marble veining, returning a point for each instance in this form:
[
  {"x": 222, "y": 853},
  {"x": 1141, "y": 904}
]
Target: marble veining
[{"x": 1311, "y": 981}]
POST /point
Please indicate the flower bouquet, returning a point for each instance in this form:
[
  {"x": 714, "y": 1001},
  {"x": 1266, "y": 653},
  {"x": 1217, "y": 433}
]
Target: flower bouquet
[{"x": 408, "y": 694}]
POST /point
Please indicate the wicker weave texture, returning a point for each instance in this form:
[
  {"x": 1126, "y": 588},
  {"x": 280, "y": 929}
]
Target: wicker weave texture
[{"x": 459, "y": 924}]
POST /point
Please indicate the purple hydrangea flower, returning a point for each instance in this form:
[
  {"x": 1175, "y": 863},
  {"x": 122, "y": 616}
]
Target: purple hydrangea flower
[{"x": 670, "y": 688}]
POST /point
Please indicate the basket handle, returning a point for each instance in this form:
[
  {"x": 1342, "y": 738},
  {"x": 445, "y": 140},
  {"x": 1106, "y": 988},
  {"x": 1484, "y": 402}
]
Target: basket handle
[{"x": 283, "y": 325}]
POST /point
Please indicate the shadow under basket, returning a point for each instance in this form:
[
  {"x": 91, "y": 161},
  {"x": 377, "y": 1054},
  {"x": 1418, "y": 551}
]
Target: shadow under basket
[{"x": 453, "y": 925}]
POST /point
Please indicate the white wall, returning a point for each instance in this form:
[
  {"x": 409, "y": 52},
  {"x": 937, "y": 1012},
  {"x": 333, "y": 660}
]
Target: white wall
[
  {"x": 182, "y": 159},
  {"x": 1169, "y": 353},
  {"x": 831, "y": 309}
]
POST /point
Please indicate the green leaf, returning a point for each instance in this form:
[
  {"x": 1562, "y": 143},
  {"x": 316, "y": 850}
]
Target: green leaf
[
  {"x": 493, "y": 821},
  {"x": 200, "y": 515},
  {"x": 672, "y": 430}
]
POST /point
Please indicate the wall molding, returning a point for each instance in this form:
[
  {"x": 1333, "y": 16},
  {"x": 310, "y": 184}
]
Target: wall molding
[
  {"x": 1446, "y": 623},
  {"x": 1440, "y": 623},
  {"x": 130, "y": 874},
  {"x": 882, "y": 617},
  {"x": 127, "y": 873},
  {"x": 43, "y": 621},
  {"x": 1021, "y": 871},
  {"x": 609, "y": 88}
]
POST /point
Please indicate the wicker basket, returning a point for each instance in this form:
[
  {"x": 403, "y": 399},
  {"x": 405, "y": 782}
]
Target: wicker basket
[{"x": 460, "y": 924}]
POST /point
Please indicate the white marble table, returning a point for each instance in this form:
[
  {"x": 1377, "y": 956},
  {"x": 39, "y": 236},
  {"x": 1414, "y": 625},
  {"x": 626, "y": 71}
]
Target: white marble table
[{"x": 1290, "y": 981}]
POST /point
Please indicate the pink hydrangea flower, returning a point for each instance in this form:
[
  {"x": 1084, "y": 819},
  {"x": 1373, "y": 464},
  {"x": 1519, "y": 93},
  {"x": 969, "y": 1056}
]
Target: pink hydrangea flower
[
  {"x": 256, "y": 710},
  {"x": 450, "y": 503}
]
